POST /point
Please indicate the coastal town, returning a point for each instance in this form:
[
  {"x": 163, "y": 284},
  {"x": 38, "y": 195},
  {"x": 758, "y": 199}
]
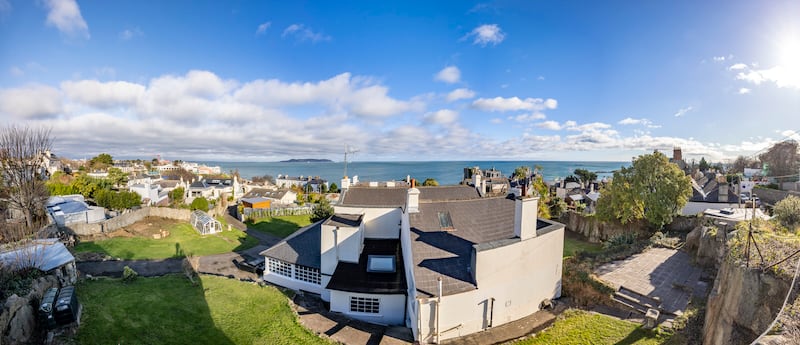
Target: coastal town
[
  {"x": 498, "y": 257},
  {"x": 399, "y": 172}
]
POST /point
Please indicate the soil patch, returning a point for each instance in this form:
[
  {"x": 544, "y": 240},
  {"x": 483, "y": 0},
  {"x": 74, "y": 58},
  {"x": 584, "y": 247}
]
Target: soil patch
[{"x": 145, "y": 228}]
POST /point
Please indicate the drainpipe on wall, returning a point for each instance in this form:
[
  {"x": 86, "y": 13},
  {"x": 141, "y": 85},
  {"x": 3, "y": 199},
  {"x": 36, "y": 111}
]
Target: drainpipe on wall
[
  {"x": 438, "y": 306},
  {"x": 336, "y": 242}
]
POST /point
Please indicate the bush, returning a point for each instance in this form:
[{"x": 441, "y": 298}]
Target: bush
[
  {"x": 199, "y": 204},
  {"x": 620, "y": 241},
  {"x": 129, "y": 275},
  {"x": 787, "y": 212},
  {"x": 322, "y": 211}
]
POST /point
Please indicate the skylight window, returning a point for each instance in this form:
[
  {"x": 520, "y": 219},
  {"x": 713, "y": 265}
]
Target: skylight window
[
  {"x": 445, "y": 222},
  {"x": 381, "y": 264}
]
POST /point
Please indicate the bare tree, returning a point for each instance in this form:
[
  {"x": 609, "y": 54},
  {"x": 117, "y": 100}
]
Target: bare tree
[
  {"x": 781, "y": 158},
  {"x": 22, "y": 188}
]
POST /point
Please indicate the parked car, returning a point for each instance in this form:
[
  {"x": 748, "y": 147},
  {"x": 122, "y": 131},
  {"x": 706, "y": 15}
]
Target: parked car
[
  {"x": 254, "y": 265},
  {"x": 744, "y": 197}
]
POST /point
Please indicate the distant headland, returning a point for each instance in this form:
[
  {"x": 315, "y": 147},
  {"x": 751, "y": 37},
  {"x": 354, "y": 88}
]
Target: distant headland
[{"x": 307, "y": 160}]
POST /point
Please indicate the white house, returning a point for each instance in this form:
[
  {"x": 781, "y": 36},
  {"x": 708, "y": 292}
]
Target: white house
[
  {"x": 150, "y": 191},
  {"x": 442, "y": 261}
]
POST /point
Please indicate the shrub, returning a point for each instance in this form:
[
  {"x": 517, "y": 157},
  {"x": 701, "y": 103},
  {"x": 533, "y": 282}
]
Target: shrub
[
  {"x": 128, "y": 274},
  {"x": 620, "y": 241},
  {"x": 322, "y": 211},
  {"x": 787, "y": 212},
  {"x": 199, "y": 204}
]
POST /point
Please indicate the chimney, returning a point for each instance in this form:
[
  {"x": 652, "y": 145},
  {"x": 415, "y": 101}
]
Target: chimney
[
  {"x": 525, "y": 217},
  {"x": 412, "y": 198},
  {"x": 677, "y": 155},
  {"x": 723, "y": 192},
  {"x": 345, "y": 183},
  {"x": 476, "y": 181}
]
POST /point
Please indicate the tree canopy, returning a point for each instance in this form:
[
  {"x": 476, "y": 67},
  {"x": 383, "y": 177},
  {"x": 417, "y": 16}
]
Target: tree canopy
[
  {"x": 101, "y": 161},
  {"x": 651, "y": 188},
  {"x": 781, "y": 159},
  {"x": 430, "y": 182},
  {"x": 704, "y": 166},
  {"x": 323, "y": 210},
  {"x": 333, "y": 188},
  {"x": 585, "y": 175}
]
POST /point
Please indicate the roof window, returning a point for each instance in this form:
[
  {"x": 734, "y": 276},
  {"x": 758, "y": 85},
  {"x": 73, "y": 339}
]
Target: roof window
[
  {"x": 445, "y": 222},
  {"x": 381, "y": 264}
]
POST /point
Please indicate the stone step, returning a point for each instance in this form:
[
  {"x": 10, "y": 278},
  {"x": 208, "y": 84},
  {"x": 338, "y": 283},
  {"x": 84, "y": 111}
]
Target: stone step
[{"x": 639, "y": 298}]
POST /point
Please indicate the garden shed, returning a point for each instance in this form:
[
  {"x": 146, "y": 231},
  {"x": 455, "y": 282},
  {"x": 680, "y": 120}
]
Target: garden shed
[{"x": 204, "y": 224}]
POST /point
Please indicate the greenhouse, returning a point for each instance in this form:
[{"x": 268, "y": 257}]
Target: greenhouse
[{"x": 204, "y": 224}]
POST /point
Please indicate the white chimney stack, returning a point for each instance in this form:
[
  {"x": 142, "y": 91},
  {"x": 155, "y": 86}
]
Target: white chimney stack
[
  {"x": 345, "y": 183},
  {"x": 412, "y": 198},
  {"x": 525, "y": 217},
  {"x": 476, "y": 180}
]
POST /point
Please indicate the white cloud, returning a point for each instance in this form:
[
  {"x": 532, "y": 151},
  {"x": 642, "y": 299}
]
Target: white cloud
[
  {"x": 31, "y": 102},
  {"x": 737, "y": 66},
  {"x": 541, "y": 77},
  {"x": 593, "y": 126},
  {"x": 130, "y": 33},
  {"x": 442, "y": 117},
  {"x": 262, "y": 28},
  {"x": 643, "y": 122},
  {"x": 683, "y": 111},
  {"x": 449, "y": 74},
  {"x": 514, "y": 103},
  {"x": 551, "y": 125},
  {"x": 744, "y": 91},
  {"x": 302, "y": 33},
  {"x": 496, "y": 121},
  {"x": 361, "y": 96},
  {"x": 103, "y": 95},
  {"x": 719, "y": 58},
  {"x": 65, "y": 15},
  {"x": 529, "y": 117},
  {"x": 486, "y": 34},
  {"x": 461, "y": 93},
  {"x": 783, "y": 77}
]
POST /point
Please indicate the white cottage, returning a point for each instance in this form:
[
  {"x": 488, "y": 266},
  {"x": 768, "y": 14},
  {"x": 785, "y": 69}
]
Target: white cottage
[{"x": 442, "y": 261}]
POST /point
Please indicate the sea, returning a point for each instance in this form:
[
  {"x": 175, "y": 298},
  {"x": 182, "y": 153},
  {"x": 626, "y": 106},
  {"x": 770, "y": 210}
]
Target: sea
[{"x": 445, "y": 172}]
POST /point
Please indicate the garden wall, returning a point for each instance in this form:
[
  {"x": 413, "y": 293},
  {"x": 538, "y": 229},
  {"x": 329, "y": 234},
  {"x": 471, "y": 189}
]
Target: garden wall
[
  {"x": 772, "y": 196},
  {"x": 127, "y": 219},
  {"x": 596, "y": 230}
]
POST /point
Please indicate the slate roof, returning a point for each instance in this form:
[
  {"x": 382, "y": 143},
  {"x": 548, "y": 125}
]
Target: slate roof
[
  {"x": 168, "y": 184},
  {"x": 301, "y": 248},
  {"x": 266, "y": 193},
  {"x": 449, "y": 253},
  {"x": 396, "y": 196},
  {"x": 354, "y": 277}
]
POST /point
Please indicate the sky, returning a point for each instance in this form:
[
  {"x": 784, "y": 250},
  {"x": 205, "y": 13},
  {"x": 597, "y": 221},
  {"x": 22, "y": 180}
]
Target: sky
[{"x": 402, "y": 81}]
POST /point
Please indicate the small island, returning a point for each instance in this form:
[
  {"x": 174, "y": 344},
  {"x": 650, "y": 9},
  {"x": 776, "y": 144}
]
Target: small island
[{"x": 307, "y": 160}]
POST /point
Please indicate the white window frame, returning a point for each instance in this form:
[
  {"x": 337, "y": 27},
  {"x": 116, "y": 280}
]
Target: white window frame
[
  {"x": 307, "y": 274},
  {"x": 280, "y": 268},
  {"x": 365, "y": 305}
]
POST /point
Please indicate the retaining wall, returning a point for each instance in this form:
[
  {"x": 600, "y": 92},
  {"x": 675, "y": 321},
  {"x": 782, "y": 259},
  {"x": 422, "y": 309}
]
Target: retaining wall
[{"x": 127, "y": 219}]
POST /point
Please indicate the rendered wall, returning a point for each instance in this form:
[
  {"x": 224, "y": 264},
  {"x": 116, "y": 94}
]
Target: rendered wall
[
  {"x": 378, "y": 222},
  {"x": 518, "y": 277},
  {"x": 392, "y": 307}
]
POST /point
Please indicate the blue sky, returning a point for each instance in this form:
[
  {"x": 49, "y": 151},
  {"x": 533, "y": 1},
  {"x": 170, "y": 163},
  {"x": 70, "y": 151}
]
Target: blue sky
[{"x": 540, "y": 80}]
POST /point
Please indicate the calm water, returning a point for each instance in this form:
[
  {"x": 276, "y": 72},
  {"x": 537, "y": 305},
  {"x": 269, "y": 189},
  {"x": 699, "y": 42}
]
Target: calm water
[{"x": 449, "y": 172}]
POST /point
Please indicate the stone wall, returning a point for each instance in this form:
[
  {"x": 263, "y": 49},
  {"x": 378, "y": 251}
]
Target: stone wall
[
  {"x": 772, "y": 196},
  {"x": 742, "y": 304},
  {"x": 595, "y": 230},
  {"x": 707, "y": 245},
  {"x": 127, "y": 219},
  {"x": 18, "y": 314}
]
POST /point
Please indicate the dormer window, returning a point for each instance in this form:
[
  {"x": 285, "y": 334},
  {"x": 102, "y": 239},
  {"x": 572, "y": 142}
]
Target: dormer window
[{"x": 381, "y": 264}]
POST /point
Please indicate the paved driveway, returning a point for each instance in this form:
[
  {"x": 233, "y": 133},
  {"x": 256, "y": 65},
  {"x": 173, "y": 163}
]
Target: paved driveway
[{"x": 658, "y": 272}]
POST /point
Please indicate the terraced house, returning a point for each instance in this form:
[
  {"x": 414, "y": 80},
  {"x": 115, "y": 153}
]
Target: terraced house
[{"x": 443, "y": 261}]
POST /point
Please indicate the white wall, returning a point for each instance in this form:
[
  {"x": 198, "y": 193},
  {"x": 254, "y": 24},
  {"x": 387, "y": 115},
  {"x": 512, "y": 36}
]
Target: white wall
[
  {"x": 392, "y": 307},
  {"x": 518, "y": 276},
  {"x": 349, "y": 241},
  {"x": 293, "y": 284},
  {"x": 693, "y": 207},
  {"x": 378, "y": 222}
]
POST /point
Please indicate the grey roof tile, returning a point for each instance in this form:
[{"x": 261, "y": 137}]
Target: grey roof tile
[{"x": 302, "y": 247}]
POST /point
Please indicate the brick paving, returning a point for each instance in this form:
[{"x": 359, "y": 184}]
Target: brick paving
[{"x": 666, "y": 274}]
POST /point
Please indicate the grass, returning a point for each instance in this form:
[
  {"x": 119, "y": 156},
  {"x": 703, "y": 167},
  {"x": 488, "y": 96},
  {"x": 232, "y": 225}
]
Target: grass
[
  {"x": 573, "y": 244},
  {"x": 171, "y": 310},
  {"x": 579, "y": 327},
  {"x": 183, "y": 240},
  {"x": 280, "y": 226}
]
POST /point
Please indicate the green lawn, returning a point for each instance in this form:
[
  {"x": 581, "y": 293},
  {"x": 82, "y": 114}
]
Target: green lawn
[
  {"x": 580, "y": 327},
  {"x": 170, "y": 310},
  {"x": 280, "y": 226},
  {"x": 573, "y": 244},
  {"x": 183, "y": 240}
]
